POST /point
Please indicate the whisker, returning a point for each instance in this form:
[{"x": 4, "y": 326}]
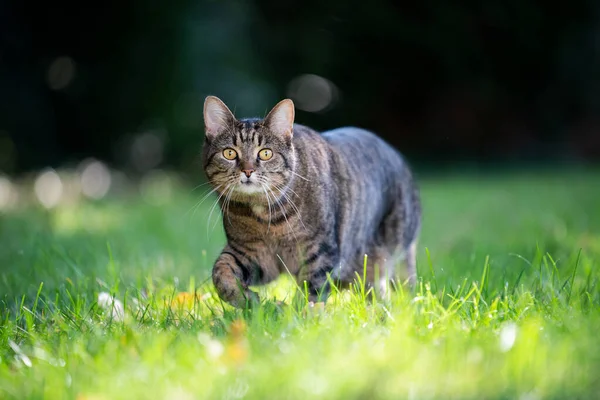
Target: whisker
[
  {"x": 212, "y": 209},
  {"x": 225, "y": 205},
  {"x": 199, "y": 186},
  {"x": 195, "y": 206},
  {"x": 283, "y": 185},
  {"x": 300, "y": 176},
  {"x": 284, "y": 214},
  {"x": 228, "y": 200},
  {"x": 294, "y": 206},
  {"x": 263, "y": 186}
]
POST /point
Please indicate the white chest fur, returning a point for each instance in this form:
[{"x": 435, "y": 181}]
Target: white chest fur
[{"x": 258, "y": 210}]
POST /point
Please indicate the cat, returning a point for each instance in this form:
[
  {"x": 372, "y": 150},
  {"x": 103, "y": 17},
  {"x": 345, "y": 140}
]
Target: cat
[{"x": 308, "y": 204}]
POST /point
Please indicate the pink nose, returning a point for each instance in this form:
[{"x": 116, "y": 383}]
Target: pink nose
[{"x": 248, "y": 172}]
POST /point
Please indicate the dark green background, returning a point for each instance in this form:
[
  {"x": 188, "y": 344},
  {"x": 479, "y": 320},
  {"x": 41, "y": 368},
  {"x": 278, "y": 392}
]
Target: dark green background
[{"x": 446, "y": 82}]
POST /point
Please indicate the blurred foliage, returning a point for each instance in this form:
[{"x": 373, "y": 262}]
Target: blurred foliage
[{"x": 490, "y": 80}]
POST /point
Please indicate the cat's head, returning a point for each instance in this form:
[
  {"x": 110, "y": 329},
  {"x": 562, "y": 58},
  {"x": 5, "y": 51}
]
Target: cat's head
[{"x": 252, "y": 158}]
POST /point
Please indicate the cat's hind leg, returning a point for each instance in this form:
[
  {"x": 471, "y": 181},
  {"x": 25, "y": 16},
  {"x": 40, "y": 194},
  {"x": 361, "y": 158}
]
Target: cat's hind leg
[
  {"x": 379, "y": 271},
  {"x": 399, "y": 268},
  {"x": 410, "y": 262},
  {"x": 403, "y": 267},
  {"x": 399, "y": 232}
]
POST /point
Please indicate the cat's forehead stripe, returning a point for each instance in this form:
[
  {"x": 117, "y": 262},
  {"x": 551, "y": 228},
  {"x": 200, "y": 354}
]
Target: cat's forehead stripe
[
  {"x": 248, "y": 132},
  {"x": 245, "y": 131}
]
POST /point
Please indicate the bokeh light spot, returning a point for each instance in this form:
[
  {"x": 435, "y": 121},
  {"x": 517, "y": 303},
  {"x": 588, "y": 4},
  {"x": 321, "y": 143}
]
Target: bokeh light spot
[
  {"x": 95, "y": 179},
  {"x": 508, "y": 335},
  {"x": 147, "y": 151},
  {"x": 312, "y": 93},
  {"x": 61, "y": 73},
  {"x": 48, "y": 188},
  {"x": 7, "y": 193}
]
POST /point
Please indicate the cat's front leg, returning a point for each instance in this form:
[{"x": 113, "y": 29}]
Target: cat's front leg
[
  {"x": 318, "y": 267},
  {"x": 319, "y": 286},
  {"x": 231, "y": 277}
]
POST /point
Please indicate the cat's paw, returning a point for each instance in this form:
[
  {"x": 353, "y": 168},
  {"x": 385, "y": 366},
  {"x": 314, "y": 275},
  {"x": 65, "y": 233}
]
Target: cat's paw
[
  {"x": 245, "y": 299},
  {"x": 251, "y": 299}
]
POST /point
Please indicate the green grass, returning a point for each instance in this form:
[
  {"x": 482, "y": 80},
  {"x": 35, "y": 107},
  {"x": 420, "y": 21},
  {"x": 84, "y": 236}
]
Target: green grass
[{"x": 508, "y": 304}]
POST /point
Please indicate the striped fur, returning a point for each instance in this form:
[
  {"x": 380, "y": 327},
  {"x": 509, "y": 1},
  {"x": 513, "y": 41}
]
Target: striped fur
[{"x": 316, "y": 208}]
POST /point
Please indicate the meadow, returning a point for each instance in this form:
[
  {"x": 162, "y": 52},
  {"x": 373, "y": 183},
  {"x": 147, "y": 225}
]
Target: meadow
[{"x": 112, "y": 299}]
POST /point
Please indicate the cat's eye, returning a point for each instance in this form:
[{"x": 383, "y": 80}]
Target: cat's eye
[
  {"x": 265, "y": 154},
  {"x": 229, "y": 154}
]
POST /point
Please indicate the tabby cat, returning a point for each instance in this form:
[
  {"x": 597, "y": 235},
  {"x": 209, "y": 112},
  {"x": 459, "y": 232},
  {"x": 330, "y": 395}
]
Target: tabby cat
[{"x": 309, "y": 204}]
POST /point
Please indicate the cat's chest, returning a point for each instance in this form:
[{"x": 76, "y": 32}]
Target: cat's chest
[
  {"x": 273, "y": 225},
  {"x": 259, "y": 210}
]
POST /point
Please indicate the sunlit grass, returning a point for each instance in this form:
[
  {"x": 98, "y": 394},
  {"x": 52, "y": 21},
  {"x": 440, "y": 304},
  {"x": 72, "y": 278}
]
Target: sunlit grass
[{"x": 508, "y": 304}]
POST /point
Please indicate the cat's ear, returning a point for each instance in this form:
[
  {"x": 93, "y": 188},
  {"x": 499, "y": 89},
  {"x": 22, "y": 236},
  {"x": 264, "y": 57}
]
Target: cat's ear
[
  {"x": 217, "y": 117},
  {"x": 280, "y": 119}
]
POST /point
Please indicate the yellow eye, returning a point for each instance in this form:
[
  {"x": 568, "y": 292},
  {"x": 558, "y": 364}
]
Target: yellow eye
[
  {"x": 229, "y": 154},
  {"x": 265, "y": 154}
]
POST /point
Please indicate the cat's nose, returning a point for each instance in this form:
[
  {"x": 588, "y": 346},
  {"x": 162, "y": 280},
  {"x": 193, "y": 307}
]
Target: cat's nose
[{"x": 248, "y": 172}]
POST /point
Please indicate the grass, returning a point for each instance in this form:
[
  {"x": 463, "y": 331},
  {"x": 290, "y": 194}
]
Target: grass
[{"x": 508, "y": 304}]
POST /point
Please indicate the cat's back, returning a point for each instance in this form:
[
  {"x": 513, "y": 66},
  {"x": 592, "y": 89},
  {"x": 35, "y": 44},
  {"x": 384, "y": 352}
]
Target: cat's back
[
  {"x": 362, "y": 146},
  {"x": 354, "y": 154},
  {"x": 348, "y": 133}
]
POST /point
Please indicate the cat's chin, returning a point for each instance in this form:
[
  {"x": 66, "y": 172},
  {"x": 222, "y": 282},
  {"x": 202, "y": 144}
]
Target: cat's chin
[{"x": 249, "y": 189}]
